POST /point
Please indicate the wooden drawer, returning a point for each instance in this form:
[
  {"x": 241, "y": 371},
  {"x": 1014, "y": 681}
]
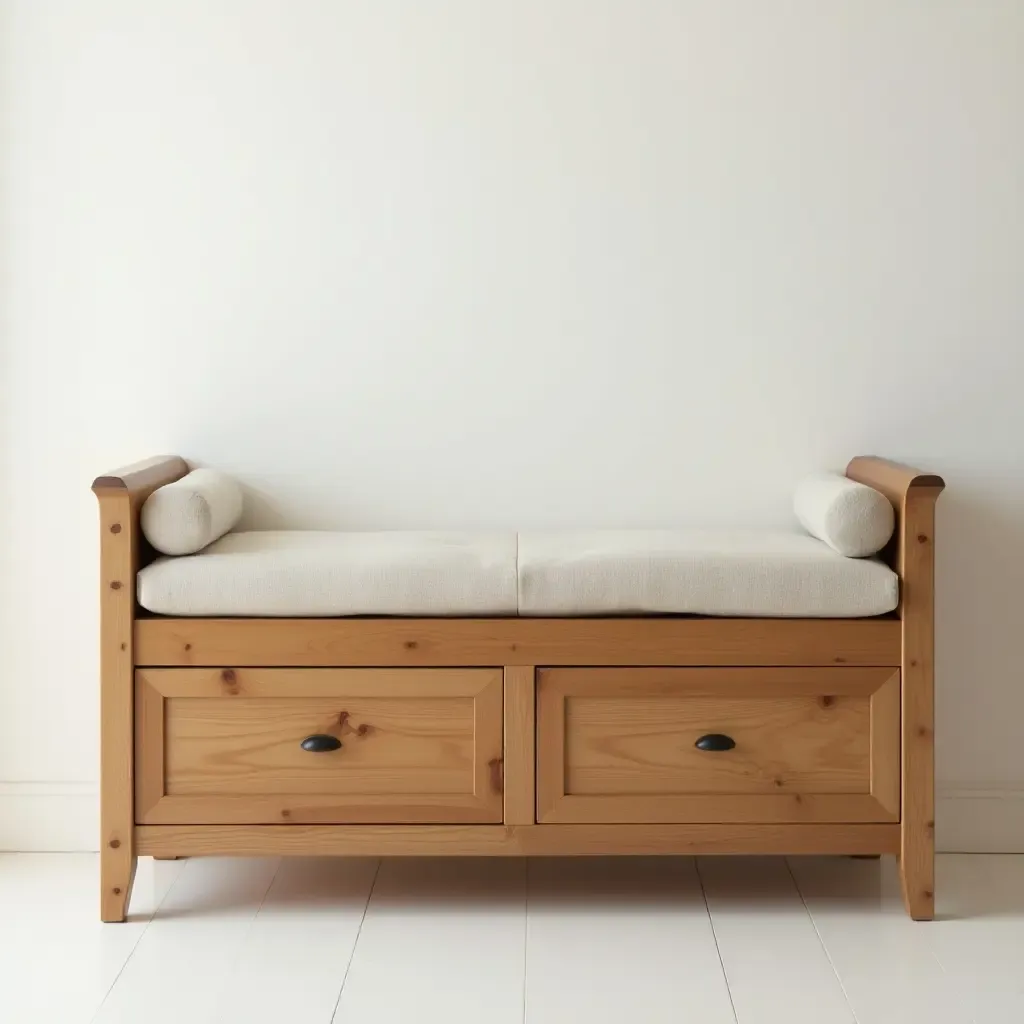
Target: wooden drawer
[
  {"x": 225, "y": 745},
  {"x": 811, "y": 745}
]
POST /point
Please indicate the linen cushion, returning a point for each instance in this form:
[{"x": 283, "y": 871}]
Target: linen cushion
[
  {"x": 185, "y": 516},
  {"x": 699, "y": 572},
  {"x": 309, "y": 573},
  {"x": 850, "y": 517}
]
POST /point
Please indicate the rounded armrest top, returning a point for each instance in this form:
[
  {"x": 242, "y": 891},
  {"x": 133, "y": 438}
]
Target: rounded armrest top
[
  {"x": 140, "y": 479},
  {"x": 892, "y": 479}
]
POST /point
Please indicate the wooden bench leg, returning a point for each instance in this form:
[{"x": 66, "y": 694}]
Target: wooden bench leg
[
  {"x": 917, "y": 828},
  {"x": 117, "y": 875},
  {"x": 913, "y": 496},
  {"x": 917, "y": 878},
  {"x": 118, "y": 565},
  {"x": 917, "y": 814}
]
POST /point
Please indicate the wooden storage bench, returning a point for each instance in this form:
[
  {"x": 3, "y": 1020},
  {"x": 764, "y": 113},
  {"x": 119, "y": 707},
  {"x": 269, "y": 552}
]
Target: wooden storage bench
[{"x": 516, "y": 736}]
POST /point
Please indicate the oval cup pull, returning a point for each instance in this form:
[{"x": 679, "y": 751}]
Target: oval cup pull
[
  {"x": 715, "y": 741},
  {"x": 321, "y": 743}
]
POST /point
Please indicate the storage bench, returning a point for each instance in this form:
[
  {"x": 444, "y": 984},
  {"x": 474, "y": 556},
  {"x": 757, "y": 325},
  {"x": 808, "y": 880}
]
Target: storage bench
[{"x": 519, "y": 733}]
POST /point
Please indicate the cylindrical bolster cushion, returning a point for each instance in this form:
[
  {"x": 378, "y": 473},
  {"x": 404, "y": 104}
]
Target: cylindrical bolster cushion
[
  {"x": 183, "y": 517},
  {"x": 850, "y": 517}
]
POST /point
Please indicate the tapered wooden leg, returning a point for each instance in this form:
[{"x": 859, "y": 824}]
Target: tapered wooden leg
[
  {"x": 917, "y": 825},
  {"x": 917, "y": 879},
  {"x": 117, "y": 875}
]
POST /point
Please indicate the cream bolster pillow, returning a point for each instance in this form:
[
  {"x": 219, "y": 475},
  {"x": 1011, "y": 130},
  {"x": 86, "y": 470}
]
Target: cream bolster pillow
[
  {"x": 850, "y": 517},
  {"x": 185, "y": 516}
]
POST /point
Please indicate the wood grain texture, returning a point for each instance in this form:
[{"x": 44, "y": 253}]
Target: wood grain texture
[
  {"x": 251, "y": 747},
  {"x": 643, "y": 744},
  {"x": 140, "y": 479},
  {"x": 913, "y": 495},
  {"x": 893, "y": 479},
  {"x": 416, "y": 745},
  {"x": 150, "y": 764},
  {"x": 324, "y": 809},
  {"x": 253, "y": 683},
  {"x": 618, "y": 745},
  {"x": 512, "y": 840},
  {"x": 670, "y": 681},
  {"x": 885, "y": 745},
  {"x": 122, "y": 549},
  {"x": 550, "y": 705},
  {"x": 520, "y": 753},
  {"x": 898, "y": 483},
  {"x": 699, "y": 808},
  {"x": 911, "y": 553},
  {"x": 917, "y": 844},
  {"x": 516, "y": 642},
  {"x": 118, "y": 560}
]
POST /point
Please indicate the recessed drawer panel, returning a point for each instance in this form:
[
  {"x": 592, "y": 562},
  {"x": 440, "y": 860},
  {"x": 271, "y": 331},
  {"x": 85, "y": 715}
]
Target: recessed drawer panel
[
  {"x": 718, "y": 745},
  {"x": 318, "y": 745}
]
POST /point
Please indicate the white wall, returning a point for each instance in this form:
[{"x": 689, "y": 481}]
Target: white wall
[{"x": 470, "y": 262}]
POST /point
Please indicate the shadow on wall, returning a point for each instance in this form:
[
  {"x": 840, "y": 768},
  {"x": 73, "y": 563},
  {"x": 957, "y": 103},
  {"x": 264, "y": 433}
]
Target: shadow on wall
[
  {"x": 264, "y": 512},
  {"x": 261, "y": 509},
  {"x": 304, "y": 506}
]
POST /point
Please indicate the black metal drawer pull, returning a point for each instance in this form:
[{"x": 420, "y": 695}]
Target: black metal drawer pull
[
  {"x": 715, "y": 741},
  {"x": 321, "y": 743}
]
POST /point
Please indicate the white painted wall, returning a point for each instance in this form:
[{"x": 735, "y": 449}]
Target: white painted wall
[{"x": 469, "y": 262}]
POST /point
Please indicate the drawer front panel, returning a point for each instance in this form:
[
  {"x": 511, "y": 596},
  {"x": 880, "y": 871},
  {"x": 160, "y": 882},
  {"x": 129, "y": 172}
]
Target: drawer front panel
[
  {"x": 398, "y": 745},
  {"x": 793, "y": 745}
]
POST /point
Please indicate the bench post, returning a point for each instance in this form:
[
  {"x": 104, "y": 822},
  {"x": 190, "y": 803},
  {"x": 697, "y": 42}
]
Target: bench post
[
  {"x": 912, "y": 555},
  {"x": 120, "y": 498}
]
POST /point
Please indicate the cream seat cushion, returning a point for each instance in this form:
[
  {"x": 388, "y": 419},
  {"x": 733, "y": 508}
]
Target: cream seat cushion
[
  {"x": 594, "y": 572},
  {"x": 308, "y": 573},
  {"x": 700, "y": 572}
]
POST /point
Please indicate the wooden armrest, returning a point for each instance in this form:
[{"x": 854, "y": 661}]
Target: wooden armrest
[
  {"x": 913, "y": 496},
  {"x": 892, "y": 479},
  {"x": 139, "y": 480}
]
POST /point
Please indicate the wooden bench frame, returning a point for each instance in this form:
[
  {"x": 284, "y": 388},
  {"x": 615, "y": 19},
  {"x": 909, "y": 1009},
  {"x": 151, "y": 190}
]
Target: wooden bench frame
[{"x": 132, "y": 639}]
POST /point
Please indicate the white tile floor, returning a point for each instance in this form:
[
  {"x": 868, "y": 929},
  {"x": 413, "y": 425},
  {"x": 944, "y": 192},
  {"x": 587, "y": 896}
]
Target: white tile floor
[{"x": 748, "y": 940}]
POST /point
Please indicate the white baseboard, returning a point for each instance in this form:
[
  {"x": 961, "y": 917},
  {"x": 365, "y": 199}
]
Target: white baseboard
[
  {"x": 49, "y": 817},
  {"x": 979, "y": 819},
  {"x": 64, "y": 817}
]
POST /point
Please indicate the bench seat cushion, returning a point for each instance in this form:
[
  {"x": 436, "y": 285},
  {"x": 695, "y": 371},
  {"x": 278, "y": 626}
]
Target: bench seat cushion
[
  {"x": 700, "y": 572},
  {"x": 309, "y": 573},
  {"x": 592, "y": 572}
]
